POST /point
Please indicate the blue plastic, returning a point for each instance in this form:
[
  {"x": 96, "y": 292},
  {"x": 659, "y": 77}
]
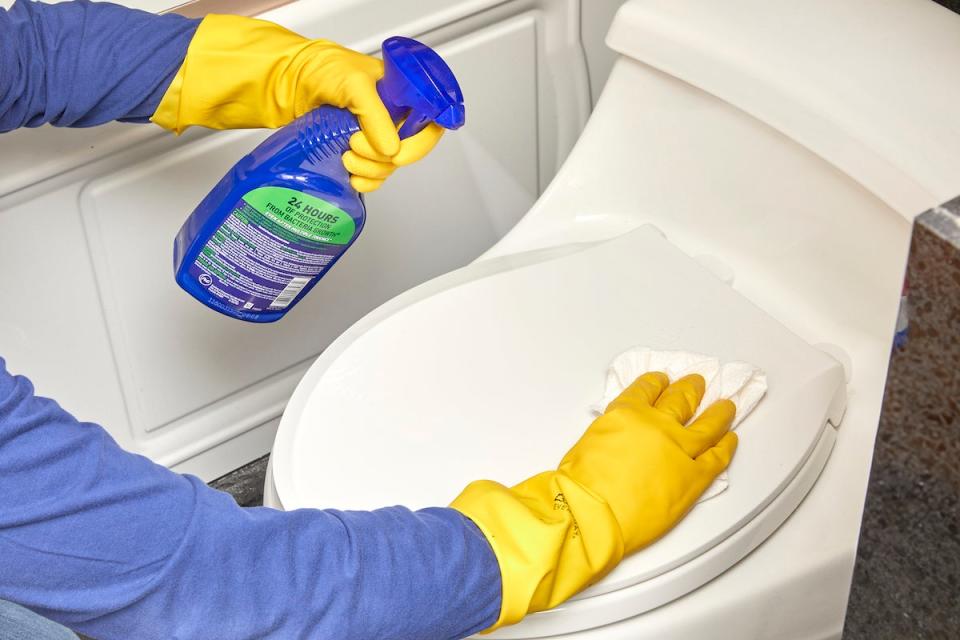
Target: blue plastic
[{"x": 279, "y": 220}]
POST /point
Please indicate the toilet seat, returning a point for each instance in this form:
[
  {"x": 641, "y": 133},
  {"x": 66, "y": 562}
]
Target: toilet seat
[{"x": 501, "y": 360}]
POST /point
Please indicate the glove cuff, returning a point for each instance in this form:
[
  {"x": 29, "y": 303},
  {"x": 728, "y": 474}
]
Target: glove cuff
[
  {"x": 552, "y": 538},
  {"x": 238, "y": 73}
]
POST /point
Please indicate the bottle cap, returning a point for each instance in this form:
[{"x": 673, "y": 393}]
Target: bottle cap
[{"x": 418, "y": 87}]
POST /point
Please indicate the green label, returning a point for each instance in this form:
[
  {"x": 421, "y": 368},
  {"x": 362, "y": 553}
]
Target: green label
[{"x": 303, "y": 214}]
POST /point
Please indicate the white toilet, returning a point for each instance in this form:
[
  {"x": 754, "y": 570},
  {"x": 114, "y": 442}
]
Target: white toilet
[{"x": 744, "y": 188}]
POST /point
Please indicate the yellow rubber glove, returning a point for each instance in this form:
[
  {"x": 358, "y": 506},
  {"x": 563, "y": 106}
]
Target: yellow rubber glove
[
  {"x": 243, "y": 73},
  {"x": 368, "y": 168},
  {"x": 631, "y": 477}
]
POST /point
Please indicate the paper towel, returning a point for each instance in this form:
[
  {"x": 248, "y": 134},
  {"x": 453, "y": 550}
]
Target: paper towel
[{"x": 742, "y": 383}]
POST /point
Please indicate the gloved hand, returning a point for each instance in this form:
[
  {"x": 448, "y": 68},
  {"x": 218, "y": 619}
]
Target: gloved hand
[
  {"x": 631, "y": 477},
  {"x": 243, "y": 73},
  {"x": 368, "y": 167}
]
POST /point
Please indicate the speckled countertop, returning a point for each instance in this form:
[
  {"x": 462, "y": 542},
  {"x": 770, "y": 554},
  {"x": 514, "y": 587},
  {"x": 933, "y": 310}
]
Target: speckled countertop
[{"x": 907, "y": 579}]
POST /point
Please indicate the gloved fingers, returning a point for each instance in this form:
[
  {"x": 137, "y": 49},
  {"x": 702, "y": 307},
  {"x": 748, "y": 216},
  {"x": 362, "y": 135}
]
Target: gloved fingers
[
  {"x": 707, "y": 430},
  {"x": 365, "y": 103},
  {"x": 412, "y": 149},
  {"x": 642, "y": 392},
  {"x": 418, "y": 145},
  {"x": 364, "y": 185},
  {"x": 361, "y": 146},
  {"x": 682, "y": 398},
  {"x": 708, "y": 465},
  {"x": 365, "y": 168},
  {"x": 714, "y": 460}
]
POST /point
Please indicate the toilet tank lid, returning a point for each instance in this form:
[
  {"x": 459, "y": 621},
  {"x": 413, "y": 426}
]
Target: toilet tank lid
[{"x": 869, "y": 86}]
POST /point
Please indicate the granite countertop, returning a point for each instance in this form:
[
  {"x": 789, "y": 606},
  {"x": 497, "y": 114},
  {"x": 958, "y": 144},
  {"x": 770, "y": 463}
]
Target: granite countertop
[{"x": 907, "y": 575}]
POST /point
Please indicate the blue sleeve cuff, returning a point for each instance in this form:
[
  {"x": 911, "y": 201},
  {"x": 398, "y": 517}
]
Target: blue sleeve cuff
[{"x": 81, "y": 63}]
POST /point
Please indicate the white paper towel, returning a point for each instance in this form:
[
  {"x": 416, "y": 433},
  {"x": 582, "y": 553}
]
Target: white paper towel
[{"x": 742, "y": 383}]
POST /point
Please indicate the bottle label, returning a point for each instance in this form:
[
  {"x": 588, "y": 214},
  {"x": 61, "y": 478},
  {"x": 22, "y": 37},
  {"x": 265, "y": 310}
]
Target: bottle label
[{"x": 272, "y": 245}]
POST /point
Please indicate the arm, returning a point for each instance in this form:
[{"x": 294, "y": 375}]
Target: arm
[
  {"x": 81, "y": 63},
  {"x": 53, "y": 57},
  {"x": 112, "y": 545}
]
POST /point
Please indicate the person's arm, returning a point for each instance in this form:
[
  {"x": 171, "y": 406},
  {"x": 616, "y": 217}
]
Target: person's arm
[
  {"x": 80, "y": 64},
  {"x": 117, "y": 547}
]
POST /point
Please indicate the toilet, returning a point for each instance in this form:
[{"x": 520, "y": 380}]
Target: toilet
[{"x": 744, "y": 188}]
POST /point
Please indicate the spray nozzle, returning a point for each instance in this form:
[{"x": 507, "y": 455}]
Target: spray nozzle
[{"x": 418, "y": 87}]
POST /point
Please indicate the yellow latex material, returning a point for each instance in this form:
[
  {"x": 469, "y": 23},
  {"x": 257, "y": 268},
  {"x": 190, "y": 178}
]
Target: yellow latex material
[
  {"x": 632, "y": 476},
  {"x": 369, "y": 168},
  {"x": 244, "y": 73}
]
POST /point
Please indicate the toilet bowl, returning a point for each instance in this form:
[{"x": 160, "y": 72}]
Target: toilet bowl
[{"x": 763, "y": 160}]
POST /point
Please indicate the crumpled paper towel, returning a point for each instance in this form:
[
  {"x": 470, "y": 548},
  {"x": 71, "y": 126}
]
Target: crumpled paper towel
[{"x": 742, "y": 383}]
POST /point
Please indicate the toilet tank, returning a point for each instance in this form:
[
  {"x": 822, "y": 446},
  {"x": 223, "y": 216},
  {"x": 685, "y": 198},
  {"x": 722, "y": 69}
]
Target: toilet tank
[
  {"x": 762, "y": 104},
  {"x": 786, "y": 145},
  {"x": 868, "y": 86}
]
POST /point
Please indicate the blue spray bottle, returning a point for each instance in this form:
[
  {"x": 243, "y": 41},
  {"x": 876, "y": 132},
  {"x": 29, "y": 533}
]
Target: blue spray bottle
[{"x": 285, "y": 213}]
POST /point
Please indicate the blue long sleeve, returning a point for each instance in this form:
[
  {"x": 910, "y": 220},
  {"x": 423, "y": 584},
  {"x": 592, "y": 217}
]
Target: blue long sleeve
[
  {"x": 117, "y": 547},
  {"x": 79, "y": 64}
]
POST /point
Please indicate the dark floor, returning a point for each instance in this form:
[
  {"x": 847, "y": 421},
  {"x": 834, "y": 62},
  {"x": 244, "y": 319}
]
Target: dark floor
[{"x": 246, "y": 483}]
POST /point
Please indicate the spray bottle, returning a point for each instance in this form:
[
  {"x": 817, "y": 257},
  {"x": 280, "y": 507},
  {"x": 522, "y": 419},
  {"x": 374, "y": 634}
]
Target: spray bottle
[{"x": 279, "y": 220}]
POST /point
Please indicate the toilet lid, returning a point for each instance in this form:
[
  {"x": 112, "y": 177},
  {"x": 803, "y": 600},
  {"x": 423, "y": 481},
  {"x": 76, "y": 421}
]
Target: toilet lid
[{"x": 490, "y": 372}]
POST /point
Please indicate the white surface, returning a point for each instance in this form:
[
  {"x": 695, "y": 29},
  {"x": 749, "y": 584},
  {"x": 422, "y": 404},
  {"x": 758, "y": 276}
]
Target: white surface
[
  {"x": 869, "y": 86},
  {"x": 165, "y": 375},
  {"x": 480, "y": 375},
  {"x": 742, "y": 383}
]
